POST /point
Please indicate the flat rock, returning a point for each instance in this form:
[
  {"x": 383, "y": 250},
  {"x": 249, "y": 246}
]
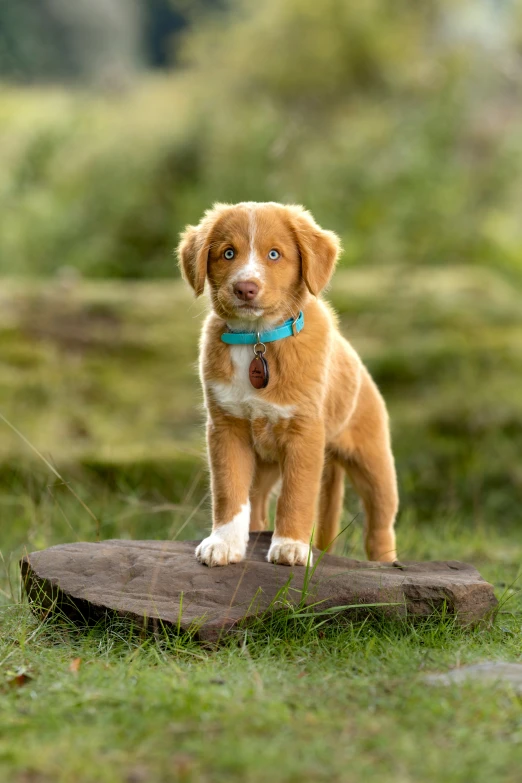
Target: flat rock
[
  {"x": 490, "y": 672},
  {"x": 161, "y": 580}
]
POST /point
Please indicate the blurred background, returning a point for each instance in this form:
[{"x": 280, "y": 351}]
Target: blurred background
[{"x": 398, "y": 124}]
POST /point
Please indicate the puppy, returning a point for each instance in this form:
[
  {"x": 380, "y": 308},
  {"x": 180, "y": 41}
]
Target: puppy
[{"x": 287, "y": 396}]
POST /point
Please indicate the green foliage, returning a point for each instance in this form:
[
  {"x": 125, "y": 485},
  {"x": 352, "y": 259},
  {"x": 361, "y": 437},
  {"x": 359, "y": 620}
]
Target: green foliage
[
  {"x": 91, "y": 183},
  {"x": 398, "y": 128}
]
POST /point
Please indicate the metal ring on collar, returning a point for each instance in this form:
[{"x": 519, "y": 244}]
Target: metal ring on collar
[{"x": 258, "y": 345}]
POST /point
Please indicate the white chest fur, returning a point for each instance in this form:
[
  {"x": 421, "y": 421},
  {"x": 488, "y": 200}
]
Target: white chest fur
[{"x": 239, "y": 398}]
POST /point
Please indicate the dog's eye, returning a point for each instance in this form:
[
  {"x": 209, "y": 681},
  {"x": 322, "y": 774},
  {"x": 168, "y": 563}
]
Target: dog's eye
[
  {"x": 274, "y": 255},
  {"x": 229, "y": 254}
]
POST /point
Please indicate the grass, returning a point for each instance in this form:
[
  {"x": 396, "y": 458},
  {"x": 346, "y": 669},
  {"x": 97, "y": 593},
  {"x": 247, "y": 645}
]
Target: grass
[
  {"x": 100, "y": 379},
  {"x": 284, "y": 702}
]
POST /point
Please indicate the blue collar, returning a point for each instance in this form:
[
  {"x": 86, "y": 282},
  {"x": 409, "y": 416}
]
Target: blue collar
[{"x": 289, "y": 328}]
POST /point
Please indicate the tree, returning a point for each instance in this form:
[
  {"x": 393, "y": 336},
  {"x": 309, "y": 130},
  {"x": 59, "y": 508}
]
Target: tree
[{"x": 69, "y": 40}]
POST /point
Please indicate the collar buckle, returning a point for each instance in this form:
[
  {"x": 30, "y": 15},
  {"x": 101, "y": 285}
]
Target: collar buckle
[{"x": 294, "y": 325}]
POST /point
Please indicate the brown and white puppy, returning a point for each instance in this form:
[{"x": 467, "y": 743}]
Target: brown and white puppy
[{"x": 320, "y": 415}]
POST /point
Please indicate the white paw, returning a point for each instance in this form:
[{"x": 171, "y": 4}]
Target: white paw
[
  {"x": 214, "y": 551},
  {"x": 227, "y": 543},
  {"x": 286, "y": 551}
]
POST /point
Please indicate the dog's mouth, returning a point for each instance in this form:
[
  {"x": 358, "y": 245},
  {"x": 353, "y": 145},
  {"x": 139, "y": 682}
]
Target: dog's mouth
[
  {"x": 249, "y": 308},
  {"x": 231, "y": 307}
]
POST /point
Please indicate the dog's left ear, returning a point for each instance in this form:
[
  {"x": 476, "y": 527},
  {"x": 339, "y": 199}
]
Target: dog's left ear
[
  {"x": 319, "y": 250},
  {"x": 193, "y": 257}
]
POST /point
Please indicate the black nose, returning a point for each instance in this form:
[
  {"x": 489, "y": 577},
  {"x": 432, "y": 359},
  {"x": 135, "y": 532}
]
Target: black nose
[{"x": 246, "y": 290}]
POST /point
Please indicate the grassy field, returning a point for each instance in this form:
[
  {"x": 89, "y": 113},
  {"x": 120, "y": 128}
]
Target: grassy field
[{"x": 99, "y": 380}]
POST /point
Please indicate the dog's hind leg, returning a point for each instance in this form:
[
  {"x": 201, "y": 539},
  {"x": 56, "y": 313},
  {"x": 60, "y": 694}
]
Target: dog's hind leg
[
  {"x": 365, "y": 452},
  {"x": 374, "y": 481},
  {"x": 266, "y": 475},
  {"x": 330, "y": 503}
]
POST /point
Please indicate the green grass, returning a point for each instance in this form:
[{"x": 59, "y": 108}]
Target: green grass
[
  {"x": 100, "y": 379},
  {"x": 283, "y": 702}
]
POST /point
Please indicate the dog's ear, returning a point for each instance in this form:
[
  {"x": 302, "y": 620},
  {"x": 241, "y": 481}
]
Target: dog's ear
[
  {"x": 193, "y": 257},
  {"x": 194, "y": 247},
  {"x": 319, "y": 250}
]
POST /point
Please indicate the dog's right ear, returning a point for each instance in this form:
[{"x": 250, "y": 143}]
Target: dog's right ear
[{"x": 193, "y": 257}]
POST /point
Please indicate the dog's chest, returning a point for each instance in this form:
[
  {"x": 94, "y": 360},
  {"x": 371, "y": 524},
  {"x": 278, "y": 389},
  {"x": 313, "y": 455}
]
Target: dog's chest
[{"x": 239, "y": 398}]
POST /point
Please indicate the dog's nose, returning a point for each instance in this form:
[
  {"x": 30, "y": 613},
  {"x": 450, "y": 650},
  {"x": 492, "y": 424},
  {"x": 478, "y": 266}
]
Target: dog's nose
[{"x": 246, "y": 290}]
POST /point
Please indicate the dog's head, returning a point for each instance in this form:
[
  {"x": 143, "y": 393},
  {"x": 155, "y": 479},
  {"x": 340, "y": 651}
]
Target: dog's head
[{"x": 259, "y": 259}]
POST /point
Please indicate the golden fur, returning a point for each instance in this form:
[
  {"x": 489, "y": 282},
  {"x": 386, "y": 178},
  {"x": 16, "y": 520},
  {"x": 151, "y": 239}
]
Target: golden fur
[{"x": 321, "y": 414}]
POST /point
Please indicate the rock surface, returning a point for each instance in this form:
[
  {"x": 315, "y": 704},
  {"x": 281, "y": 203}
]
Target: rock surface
[
  {"x": 147, "y": 580},
  {"x": 490, "y": 672}
]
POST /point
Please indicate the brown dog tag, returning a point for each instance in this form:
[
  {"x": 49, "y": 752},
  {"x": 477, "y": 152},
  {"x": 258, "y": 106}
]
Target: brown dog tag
[{"x": 258, "y": 372}]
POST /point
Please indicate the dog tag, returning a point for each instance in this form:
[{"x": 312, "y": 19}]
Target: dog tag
[{"x": 258, "y": 372}]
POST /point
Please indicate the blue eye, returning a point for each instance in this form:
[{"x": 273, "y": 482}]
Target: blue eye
[
  {"x": 274, "y": 255},
  {"x": 229, "y": 254}
]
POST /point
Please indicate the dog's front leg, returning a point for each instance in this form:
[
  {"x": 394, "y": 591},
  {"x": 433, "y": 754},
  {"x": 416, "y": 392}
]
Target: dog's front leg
[
  {"x": 232, "y": 468},
  {"x": 301, "y": 467}
]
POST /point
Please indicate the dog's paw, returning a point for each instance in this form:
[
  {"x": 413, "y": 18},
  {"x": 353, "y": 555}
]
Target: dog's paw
[
  {"x": 286, "y": 551},
  {"x": 214, "y": 551},
  {"x": 381, "y": 547}
]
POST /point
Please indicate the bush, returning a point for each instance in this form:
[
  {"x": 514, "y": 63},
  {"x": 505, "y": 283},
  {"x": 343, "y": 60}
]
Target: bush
[{"x": 397, "y": 127}]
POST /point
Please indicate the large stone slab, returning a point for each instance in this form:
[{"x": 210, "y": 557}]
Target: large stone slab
[{"x": 161, "y": 580}]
